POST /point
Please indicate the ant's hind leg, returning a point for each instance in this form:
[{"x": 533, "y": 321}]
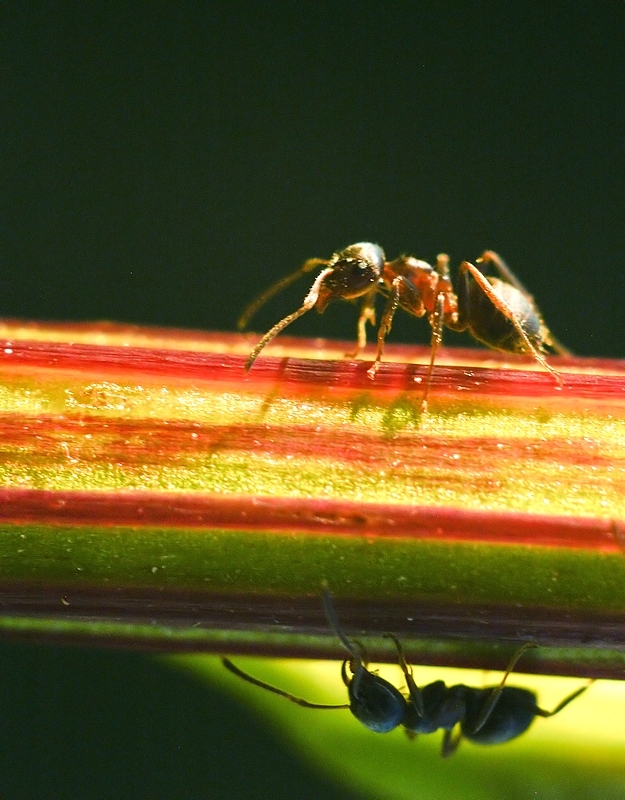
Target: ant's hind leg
[
  {"x": 505, "y": 309},
  {"x": 564, "y": 703},
  {"x": 490, "y": 257}
]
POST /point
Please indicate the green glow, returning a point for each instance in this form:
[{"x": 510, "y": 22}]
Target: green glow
[{"x": 577, "y": 754}]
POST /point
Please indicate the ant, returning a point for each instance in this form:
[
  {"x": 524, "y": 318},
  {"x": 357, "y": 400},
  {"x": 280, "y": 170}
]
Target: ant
[
  {"x": 492, "y": 715},
  {"x": 372, "y": 700},
  {"x": 498, "y": 312}
]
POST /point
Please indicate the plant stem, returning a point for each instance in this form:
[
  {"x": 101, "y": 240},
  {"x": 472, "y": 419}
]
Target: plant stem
[{"x": 154, "y": 495}]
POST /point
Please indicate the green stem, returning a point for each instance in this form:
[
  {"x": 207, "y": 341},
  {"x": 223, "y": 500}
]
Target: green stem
[{"x": 156, "y": 496}]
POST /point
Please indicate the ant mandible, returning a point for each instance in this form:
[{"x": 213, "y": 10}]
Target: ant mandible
[
  {"x": 492, "y": 715},
  {"x": 498, "y": 312}
]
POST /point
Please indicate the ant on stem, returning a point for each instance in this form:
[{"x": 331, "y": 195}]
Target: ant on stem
[
  {"x": 492, "y": 715},
  {"x": 497, "y": 311}
]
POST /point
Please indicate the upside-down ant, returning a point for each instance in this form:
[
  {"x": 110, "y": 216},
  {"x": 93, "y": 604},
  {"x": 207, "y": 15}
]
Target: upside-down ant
[
  {"x": 492, "y": 715},
  {"x": 498, "y": 312}
]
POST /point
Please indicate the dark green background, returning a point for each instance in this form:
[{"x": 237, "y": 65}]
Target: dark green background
[
  {"x": 163, "y": 162},
  {"x": 97, "y": 725}
]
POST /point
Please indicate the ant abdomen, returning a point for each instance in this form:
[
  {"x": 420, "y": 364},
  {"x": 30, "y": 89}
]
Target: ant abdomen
[
  {"x": 511, "y": 716},
  {"x": 490, "y": 326}
]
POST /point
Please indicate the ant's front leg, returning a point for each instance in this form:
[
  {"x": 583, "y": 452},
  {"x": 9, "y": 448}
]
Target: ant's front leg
[
  {"x": 405, "y": 294},
  {"x": 367, "y": 314},
  {"x": 415, "y": 692}
]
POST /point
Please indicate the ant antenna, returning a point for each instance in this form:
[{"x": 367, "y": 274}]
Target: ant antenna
[
  {"x": 309, "y": 302},
  {"x": 256, "y": 682},
  {"x": 375, "y": 702},
  {"x": 353, "y": 648},
  {"x": 250, "y": 310}
]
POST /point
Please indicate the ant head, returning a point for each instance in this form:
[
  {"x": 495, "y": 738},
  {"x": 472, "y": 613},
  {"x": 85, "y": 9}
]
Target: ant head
[
  {"x": 372, "y": 700},
  {"x": 512, "y": 715},
  {"x": 355, "y": 270}
]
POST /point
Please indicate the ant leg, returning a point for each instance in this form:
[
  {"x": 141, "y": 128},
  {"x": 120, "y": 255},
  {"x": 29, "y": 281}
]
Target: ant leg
[
  {"x": 495, "y": 694},
  {"x": 309, "y": 302},
  {"x": 251, "y": 309},
  {"x": 451, "y": 742},
  {"x": 556, "y": 345},
  {"x": 256, "y": 682},
  {"x": 437, "y": 337},
  {"x": 502, "y": 306},
  {"x": 415, "y": 692},
  {"x": 367, "y": 314},
  {"x": 490, "y": 257},
  {"x": 540, "y": 712},
  {"x": 385, "y": 324}
]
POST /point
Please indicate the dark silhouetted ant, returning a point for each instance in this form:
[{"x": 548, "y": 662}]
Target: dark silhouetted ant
[
  {"x": 499, "y": 312},
  {"x": 493, "y": 715}
]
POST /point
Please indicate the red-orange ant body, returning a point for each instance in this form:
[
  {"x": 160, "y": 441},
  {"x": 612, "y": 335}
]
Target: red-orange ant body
[{"x": 497, "y": 311}]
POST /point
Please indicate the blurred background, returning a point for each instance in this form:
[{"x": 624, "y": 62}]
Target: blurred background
[
  {"x": 164, "y": 162},
  {"x": 79, "y": 723}
]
